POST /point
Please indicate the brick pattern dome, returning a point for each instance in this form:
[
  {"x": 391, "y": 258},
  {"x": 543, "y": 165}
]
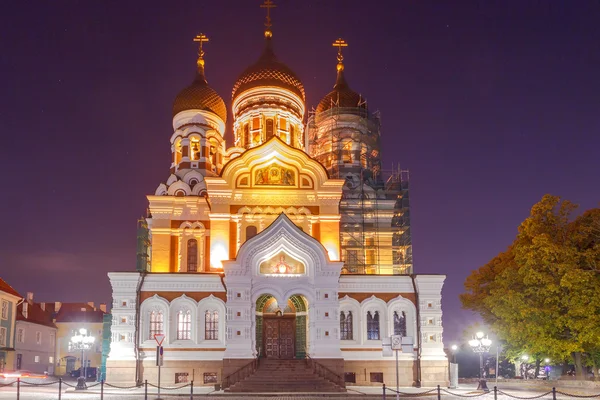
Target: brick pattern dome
[
  {"x": 268, "y": 71},
  {"x": 200, "y": 96},
  {"x": 341, "y": 96}
]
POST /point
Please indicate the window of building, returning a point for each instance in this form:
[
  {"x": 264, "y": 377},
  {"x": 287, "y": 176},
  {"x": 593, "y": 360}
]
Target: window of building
[
  {"x": 211, "y": 325},
  {"x": 363, "y": 155},
  {"x": 397, "y": 257},
  {"x": 51, "y": 360},
  {"x": 123, "y": 320},
  {"x": 346, "y": 325},
  {"x": 21, "y": 335},
  {"x": 122, "y": 338},
  {"x": 349, "y": 377},
  {"x": 292, "y": 135},
  {"x": 178, "y": 152},
  {"x": 4, "y": 309},
  {"x": 36, "y": 359},
  {"x": 53, "y": 339},
  {"x": 192, "y": 255},
  {"x": 429, "y": 305},
  {"x": 347, "y": 152},
  {"x": 38, "y": 337},
  {"x": 251, "y": 231},
  {"x": 181, "y": 377},
  {"x": 400, "y": 323},
  {"x": 373, "y": 325},
  {"x": 247, "y": 142},
  {"x": 430, "y": 321},
  {"x": 195, "y": 150},
  {"x": 210, "y": 377},
  {"x": 269, "y": 128},
  {"x": 377, "y": 377},
  {"x": 156, "y": 323},
  {"x": 19, "y": 362},
  {"x": 124, "y": 303},
  {"x": 432, "y": 338},
  {"x": 184, "y": 325}
]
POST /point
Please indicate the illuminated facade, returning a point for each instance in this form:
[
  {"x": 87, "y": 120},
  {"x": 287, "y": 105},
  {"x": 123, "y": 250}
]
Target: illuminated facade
[{"x": 253, "y": 250}]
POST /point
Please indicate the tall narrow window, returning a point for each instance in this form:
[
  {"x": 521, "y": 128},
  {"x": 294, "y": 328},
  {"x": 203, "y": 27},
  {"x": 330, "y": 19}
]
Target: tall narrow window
[
  {"x": 269, "y": 129},
  {"x": 247, "y": 141},
  {"x": 184, "y": 325},
  {"x": 347, "y": 152},
  {"x": 156, "y": 324},
  {"x": 292, "y": 136},
  {"x": 211, "y": 325},
  {"x": 192, "y": 255},
  {"x": 251, "y": 231},
  {"x": 346, "y": 326},
  {"x": 373, "y": 326},
  {"x": 400, "y": 323}
]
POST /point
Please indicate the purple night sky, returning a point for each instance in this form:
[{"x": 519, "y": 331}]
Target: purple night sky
[{"x": 489, "y": 104}]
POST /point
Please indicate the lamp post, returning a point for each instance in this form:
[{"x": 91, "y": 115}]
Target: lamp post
[
  {"x": 453, "y": 368},
  {"x": 481, "y": 344},
  {"x": 82, "y": 340},
  {"x": 524, "y": 366}
]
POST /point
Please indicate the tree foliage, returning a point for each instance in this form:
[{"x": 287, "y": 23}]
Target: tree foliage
[{"x": 542, "y": 295}]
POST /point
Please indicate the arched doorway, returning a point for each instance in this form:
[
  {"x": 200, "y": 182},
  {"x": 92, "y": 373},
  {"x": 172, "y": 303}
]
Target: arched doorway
[{"x": 281, "y": 332}]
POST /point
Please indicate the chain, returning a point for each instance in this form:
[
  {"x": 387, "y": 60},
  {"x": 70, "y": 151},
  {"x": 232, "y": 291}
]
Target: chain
[
  {"x": 7, "y": 384},
  {"x": 579, "y": 396},
  {"x": 463, "y": 395},
  {"x": 524, "y": 398},
  {"x": 38, "y": 384},
  {"x": 122, "y": 387}
]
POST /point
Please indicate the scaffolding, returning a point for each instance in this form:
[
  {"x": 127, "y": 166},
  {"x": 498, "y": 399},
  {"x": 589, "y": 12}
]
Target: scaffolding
[{"x": 375, "y": 219}]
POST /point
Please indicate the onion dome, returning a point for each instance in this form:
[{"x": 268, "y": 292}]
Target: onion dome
[
  {"x": 268, "y": 71},
  {"x": 200, "y": 96},
  {"x": 341, "y": 95}
]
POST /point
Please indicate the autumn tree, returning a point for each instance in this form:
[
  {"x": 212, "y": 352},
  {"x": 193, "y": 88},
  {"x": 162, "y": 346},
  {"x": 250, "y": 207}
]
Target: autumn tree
[{"x": 542, "y": 295}]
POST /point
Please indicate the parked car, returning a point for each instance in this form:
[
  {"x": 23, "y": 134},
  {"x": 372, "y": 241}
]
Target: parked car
[{"x": 90, "y": 373}]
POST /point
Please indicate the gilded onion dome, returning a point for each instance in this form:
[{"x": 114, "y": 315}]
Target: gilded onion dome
[
  {"x": 200, "y": 96},
  {"x": 341, "y": 95},
  {"x": 268, "y": 71}
]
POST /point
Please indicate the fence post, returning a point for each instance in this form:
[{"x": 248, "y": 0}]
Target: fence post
[
  {"x": 18, "y": 388},
  {"x": 384, "y": 391},
  {"x": 439, "y": 392},
  {"x": 146, "y": 389},
  {"x": 102, "y": 389},
  {"x": 192, "y": 390},
  {"x": 553, "y": 393},
  {"x": 495, "y": 392},
  {"x": 59, "y": 388}
]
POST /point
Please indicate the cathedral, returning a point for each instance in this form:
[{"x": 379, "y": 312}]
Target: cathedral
[{"x": 291, "y": 243}]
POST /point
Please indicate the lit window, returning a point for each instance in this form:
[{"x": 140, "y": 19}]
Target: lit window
[
  {"x": 269, "y": 130},
  {"x": 432, "y": 338},
  {"x": 51, "y": 360},
  {"x": 211, "y": 325},
  {"x": 346, "y": 325},
  {"x": 400, "y": 323},
  {"x": 192, "y": 255},
  {"x": 373, "y": 325},
  {"x": 195, "y": 151},
  {"x": 123, "y": 320},
  {"x": 36, "y": 359},
  {"x": 184, "y": 325},
  {"x": 292, "y": 135},
  {"x": 156, "y": 324}
]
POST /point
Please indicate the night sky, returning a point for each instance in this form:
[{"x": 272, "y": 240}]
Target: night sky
[{"x": 489, "y": 104}]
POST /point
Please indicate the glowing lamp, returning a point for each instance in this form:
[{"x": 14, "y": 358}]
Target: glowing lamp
[
  {"x": 480, "y": 335},
  {"x": 473, "y": 342}
]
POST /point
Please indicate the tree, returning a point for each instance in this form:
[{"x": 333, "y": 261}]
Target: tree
[{"x": 541, "y": 294}]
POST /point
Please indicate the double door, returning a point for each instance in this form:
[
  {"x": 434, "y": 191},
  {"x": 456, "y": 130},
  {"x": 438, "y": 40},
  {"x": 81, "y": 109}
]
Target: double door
[{"x": 278, "y": 340}]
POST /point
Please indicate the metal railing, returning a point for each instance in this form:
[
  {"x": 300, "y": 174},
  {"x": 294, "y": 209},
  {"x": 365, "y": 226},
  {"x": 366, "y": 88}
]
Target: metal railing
[
  {"x": 240, "y": 374},
  {"x": 325, "y": 372}
]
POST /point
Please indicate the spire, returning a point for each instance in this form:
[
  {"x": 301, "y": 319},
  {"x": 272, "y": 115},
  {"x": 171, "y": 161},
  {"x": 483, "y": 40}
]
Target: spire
[
  {"x": 200, "y": 38},
  {"x": 268, "y": 4},
  {"x": 340, "y": 81}
]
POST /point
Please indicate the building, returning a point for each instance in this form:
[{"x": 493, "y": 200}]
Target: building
[
  {"x": 9, "y": 300},
  {"x": 35, "y": 342},
  {"x": 69, "y": 318},
  {"x": 290, "y": 242}
]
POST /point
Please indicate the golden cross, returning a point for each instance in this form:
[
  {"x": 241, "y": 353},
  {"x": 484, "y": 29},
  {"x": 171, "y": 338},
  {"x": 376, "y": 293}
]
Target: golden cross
[
  {"x": 201, "y": 38},
  {"x": 268, "y": 4},
  {"x": 339, "y": 43}
]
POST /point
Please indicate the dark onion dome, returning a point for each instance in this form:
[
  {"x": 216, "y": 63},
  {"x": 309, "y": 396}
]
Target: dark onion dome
[
  {"x": 200, "y": 96},
  {"x": 268, "y": 71},
  {"x": 341, "y": 95}
]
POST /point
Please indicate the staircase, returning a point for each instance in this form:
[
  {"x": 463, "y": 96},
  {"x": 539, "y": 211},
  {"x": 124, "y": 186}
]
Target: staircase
[{"x": 273, "y": 375}]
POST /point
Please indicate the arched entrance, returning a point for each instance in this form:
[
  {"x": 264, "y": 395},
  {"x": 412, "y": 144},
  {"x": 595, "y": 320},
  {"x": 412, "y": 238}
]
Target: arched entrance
[{"x": 281, "y": 332}]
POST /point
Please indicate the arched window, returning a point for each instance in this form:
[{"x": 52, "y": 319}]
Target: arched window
[
  {"x": 347, "y": 156},
  {"x": 184, "y": 325},
  {"x": 251, "y": 231},
  {"x": 178, "y": 151},
  {"x": 373, "y": 325},
  {"x": 192, "y": 255},
  {"x": 211, "y": 325},
  {"x": 195, "y": 150},
  {"x": 400, "y": 323},
  {"x": 346, "y": 326},
  {"x": 247, "y": 142},
  {"x": 156, "y": 324},
  {"x": 269, "y": 131},
  {"x": 292, "y": 135}
]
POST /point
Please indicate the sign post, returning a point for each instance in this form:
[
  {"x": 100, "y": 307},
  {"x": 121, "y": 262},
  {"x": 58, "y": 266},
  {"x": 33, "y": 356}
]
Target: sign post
[
  {"x": 159, "y": 337},
  {"x": 397, "y": 345}
]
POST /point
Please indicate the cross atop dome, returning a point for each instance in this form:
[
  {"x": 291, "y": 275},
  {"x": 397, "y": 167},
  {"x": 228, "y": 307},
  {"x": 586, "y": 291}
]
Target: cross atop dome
[
  {"x": 268, "y": 4},
  {"x": 339, "y": 43},
  {"x": 200, "y": 38}
]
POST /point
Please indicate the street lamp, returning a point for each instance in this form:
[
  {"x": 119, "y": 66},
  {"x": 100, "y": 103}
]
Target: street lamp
[
  {"x": 82, "y": 340},
  {"x": 481, "y": 344},
  {"x": 453, "y": 368}
]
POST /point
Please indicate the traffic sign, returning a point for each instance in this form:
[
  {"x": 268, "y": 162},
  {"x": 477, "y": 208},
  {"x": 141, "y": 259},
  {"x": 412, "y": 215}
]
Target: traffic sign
[
  {"x": 159, "y": 337},
  {"x": 159, "y": 356}
]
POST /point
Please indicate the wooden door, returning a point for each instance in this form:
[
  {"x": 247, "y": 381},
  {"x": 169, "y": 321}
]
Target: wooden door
[{"x": 279, "y": 334}]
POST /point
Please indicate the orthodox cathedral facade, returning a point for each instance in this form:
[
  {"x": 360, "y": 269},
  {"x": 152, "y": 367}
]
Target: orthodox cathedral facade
[{"x": 289, "y": 243}]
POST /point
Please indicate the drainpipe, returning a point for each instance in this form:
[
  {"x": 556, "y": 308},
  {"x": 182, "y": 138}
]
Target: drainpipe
[
  {"x": 419, "y": 340},
  {"x": 136, "y": 337}
]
